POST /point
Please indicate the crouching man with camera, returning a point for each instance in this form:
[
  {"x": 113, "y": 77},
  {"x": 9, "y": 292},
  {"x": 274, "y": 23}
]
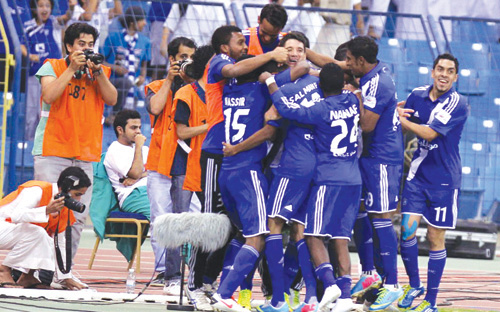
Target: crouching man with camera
[
  {"x": 74, "y": 90},
  {"x": 29, "y": 218}
]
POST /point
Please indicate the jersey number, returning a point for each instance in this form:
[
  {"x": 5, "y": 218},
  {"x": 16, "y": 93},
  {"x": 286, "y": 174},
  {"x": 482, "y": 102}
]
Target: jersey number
[
  {"x": 228, "y": 124},
  {"x": 353, "y": 137},
  {"x": 440, "y": 210},
  {"x": 76, "y": 91}
]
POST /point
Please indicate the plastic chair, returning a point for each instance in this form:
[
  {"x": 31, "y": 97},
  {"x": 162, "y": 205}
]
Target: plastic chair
[{"x": 142, "y": 224}]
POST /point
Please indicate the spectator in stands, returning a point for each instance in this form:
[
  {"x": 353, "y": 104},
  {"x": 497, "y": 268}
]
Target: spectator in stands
[
  {"x": 97, "y": 14},
  {"x": 127, "y": 53},
  {"x": 336, "y": 29},
  {"x": 42, "y": 40},
  {"x": 157, "y": 16},
  {"x": 69, "y": 133},
  {"x": 29, "y": 218},
  {"x": 124, "y": 163},
  {"x": 267, "y": 35},
  {"x": 159, "y": 99},
  {"x": 193, "y": 21}
]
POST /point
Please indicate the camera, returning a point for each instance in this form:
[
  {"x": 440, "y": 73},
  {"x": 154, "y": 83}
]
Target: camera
[
  {"x": 186, "y": 66},
  {"x": 67, "y": 184},
  {"x": 96, "y": 58}
]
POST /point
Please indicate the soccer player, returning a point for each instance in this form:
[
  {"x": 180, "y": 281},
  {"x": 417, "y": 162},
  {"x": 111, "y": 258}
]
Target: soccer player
[
  {"x": 334, "y": 201},
  {"x": 381, "y": 162},
  {"x": 266, "y": 37},
  {"x": 437, "y": 115},
  {"x": 290, "y": 187},
  {"x": 242, "y": 184}
]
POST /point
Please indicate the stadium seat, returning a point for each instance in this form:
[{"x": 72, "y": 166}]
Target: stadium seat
[
  {"x": 471, "y": 55},
  {"x": 415, "y": 76},
  {"x": 470, "y": 83},
  {"x": 391, "y": 51},
  {"x": 418, "y": 52}
]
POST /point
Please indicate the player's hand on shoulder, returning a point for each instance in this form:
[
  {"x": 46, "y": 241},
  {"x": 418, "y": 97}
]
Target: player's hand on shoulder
[{"x": 129, "y": 181}]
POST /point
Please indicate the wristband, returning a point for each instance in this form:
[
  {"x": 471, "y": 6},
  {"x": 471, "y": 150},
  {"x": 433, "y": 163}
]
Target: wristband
[
  {"x": 270, "y": 81},
  {"x": 356, "y": 91}
]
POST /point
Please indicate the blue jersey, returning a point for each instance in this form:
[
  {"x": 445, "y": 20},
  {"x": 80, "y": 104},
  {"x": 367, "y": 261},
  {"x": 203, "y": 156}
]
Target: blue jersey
[
  {"x": 299, "y": 154},
  {"x": 213, "y": 90},
  {"x": 335, "y": 121},
  {"x": 43, "y": 40},
  {"x": 244, "y": 107},
  {"x": 115, "y": 50},
  {"x": 437, "y": 164},
  {"x": 385, "y": 142}
]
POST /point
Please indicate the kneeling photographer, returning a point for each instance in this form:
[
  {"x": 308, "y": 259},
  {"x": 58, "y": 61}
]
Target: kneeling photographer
[{"x": 35, "y": 222}]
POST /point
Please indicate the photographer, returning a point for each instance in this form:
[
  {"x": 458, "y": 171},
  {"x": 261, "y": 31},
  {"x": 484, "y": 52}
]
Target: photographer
[
  {"x": 29, "y": 217},
  {"x": 159, "y": 97},
  {"x": 74, "y": 90}
]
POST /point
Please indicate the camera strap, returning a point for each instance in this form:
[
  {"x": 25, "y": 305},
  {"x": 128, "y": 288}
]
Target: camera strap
[{"x": 60, "y": 262}]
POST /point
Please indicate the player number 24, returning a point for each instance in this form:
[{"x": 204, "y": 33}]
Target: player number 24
[
  {"x": 353, "y": 137},
  {"x": 234, "y": 123}
]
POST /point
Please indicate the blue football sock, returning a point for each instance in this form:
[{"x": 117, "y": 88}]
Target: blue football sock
[
  {"x": 291, "y": 265},
  {"x": 274, "y": 256},
  {"x": 247, "y": 282},
  {"x": 363, "y": 239},
  {"x": 231, "y": 252},
  {"x": 325, "y": 273},
  {"x": 388, "y": 244},
  {"x": 243, "y": 265},
  {"x": 307, "y": 269},
  {"x": 409, "y": 254},
  {"x": 344, "y": 283},
  {"x": 435, "y": 268}
]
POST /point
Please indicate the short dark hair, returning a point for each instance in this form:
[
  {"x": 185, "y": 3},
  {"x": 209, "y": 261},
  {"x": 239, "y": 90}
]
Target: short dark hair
[
  {"x": 275, "y": 14},
  {"x": 331, "y": 78},
  {"x": 174, "y": 45},
  {"x": 341, "y": 52},
  {"x": 34, "y": 6},
  {"x": 363, "y": 46},
  {"x": 222, "y": 35},
  {"x": 122, "y": 118},
  {"x": 133, "y": 14},
  {"x": 74, "y": 30},
  {"x": 445, "y": 56},
  {"x": 297, "y": 35},
  {"x": 200, "y": 60},
  {"x": 76, "y": 172}
]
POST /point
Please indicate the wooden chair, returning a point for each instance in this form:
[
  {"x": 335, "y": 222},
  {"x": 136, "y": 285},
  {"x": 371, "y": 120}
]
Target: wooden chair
[{"x": 142, "y": 224}]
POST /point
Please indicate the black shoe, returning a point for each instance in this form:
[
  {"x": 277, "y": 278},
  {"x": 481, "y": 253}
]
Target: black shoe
[{"x": 159, "y": 280}]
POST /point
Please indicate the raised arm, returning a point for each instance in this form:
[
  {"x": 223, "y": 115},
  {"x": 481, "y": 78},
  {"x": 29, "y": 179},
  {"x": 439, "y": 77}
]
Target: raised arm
[{"x": 279, "y": 55}]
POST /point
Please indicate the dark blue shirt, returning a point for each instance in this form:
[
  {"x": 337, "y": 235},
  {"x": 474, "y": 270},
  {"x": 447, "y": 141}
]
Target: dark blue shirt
[
  {"x": 437, "y": 164},
  {"x": 335, "y": 120},
  {"x": 244, "y": 107},
  {"x": 385, "y": 142},
  {"x": 298, "y": 159}
]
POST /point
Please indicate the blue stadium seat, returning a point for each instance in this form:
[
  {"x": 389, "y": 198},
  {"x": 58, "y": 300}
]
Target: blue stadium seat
[
  {"x": 470, "y": 82},
  {"x": 415, "y": 76},
  {"x": 391, "y": 51},
  {"x": 418, "y": 52},
  {"x": 471, "y": 55}
]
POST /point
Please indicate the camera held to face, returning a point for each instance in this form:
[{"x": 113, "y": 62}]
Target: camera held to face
[
  {"x": 68, "y": 183},
  {"x": 95, "y": 58},
  {"x": 186, "y": 66}
]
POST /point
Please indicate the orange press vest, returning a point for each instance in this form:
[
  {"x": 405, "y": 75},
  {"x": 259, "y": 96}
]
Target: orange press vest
[
  {"x": 198, "y": 117},
  {"x": 74, "y": 124},
  {"x": 254, "y": 47},
  {"x": 161, "y": 124},
  {"x": 47, "y": 190}
]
